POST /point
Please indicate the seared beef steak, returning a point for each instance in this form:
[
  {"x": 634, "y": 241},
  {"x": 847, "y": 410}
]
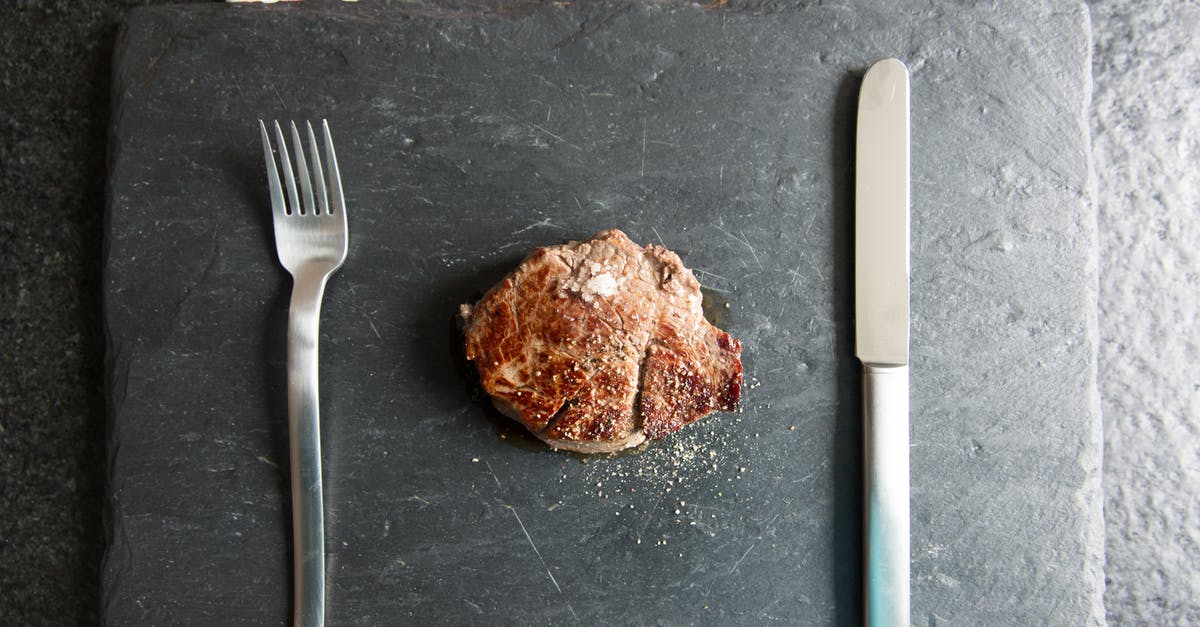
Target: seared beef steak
[{"x": 597, "y": 345}]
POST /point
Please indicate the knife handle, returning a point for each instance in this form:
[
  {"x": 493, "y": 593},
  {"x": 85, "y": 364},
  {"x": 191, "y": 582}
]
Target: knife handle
[{"x": 885, "y": 438}]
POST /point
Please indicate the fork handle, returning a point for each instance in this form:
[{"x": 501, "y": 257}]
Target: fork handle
[{"x": 304, "y": 434}]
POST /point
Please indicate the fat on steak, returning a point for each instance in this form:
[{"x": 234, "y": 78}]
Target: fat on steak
[{"x": 597, "y": 345}]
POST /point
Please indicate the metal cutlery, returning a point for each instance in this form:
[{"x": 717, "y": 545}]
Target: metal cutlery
[
  {"x": 311, "y": 240},
  {"x": 881, "y": 309}
]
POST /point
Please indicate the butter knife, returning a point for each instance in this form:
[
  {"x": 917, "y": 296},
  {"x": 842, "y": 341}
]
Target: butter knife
[{"x": 881, "y": 276}]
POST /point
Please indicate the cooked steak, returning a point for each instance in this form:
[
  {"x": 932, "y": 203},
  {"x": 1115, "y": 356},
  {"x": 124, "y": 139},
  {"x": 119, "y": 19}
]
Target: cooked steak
[{"x": 595, "y": 346}]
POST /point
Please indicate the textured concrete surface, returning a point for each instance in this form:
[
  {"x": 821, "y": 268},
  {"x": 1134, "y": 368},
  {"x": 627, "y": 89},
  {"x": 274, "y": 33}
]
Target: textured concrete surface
[
  {"x": 1146, "y": 138},
  {"x": 54, "y": 71}
]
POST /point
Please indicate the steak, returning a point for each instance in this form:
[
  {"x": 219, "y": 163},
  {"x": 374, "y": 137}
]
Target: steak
[{"x": 597, "y": 345}]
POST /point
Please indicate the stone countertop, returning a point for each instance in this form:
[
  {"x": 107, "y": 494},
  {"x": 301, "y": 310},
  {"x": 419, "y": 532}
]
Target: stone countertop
[
  {"x": 1146, "y": 148},
  {"x": 54, "y": 71}
]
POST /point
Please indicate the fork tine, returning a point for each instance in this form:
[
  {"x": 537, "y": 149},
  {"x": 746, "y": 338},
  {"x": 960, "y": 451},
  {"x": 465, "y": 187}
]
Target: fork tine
[
  {"x": 286, "y": 163},
  {"x": 306, "y": 192},
  {"x": 318, "y": 173},
  {"x": 337, "y": 200},
  {"x": 277, "y": 205}
]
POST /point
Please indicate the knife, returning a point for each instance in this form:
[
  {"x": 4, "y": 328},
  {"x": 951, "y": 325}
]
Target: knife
[{"x": 881, "y": 274}]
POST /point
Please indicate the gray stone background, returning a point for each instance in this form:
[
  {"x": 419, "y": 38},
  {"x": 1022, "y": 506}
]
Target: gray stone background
[{"x": 54, "y": 81}]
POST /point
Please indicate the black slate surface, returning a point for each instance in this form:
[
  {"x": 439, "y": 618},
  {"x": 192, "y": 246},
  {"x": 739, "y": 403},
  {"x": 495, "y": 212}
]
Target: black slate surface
[{"x": 467, "y": 137}]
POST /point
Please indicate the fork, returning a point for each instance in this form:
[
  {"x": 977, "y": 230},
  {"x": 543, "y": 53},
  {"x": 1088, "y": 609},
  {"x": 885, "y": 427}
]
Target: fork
[{"x": 311, "y": 240}]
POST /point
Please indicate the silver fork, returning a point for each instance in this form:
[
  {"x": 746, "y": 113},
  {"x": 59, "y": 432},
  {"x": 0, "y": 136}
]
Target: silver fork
[{"x": 311, "y": 239}]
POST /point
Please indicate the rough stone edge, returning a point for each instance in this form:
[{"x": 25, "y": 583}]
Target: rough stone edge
[
  {"x": 115, "y": 560},
  {"x": 1090, "y": 496}
]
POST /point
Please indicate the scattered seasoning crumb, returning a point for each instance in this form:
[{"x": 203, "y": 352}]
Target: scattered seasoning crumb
[
  {"x": 475, "y": 460},
  {"x": 683, "y": 466},
  {"x": 792, "y": 428}
]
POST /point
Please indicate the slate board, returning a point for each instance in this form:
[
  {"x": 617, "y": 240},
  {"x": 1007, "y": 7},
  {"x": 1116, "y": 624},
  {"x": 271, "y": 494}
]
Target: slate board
[{"x": 467, "y": 137}]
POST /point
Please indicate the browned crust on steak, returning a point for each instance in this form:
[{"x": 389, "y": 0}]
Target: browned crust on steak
[{"x": 596, "y": 345}]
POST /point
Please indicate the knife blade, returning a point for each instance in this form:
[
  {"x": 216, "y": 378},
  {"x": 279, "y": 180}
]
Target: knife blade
[{"x": 881, "y": 311}]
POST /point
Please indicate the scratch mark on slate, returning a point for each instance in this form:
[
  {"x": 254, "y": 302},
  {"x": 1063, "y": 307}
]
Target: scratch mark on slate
[
  {"x": 643, "y": 149},
  {"x": 739, "y": 562},
  {"x": 489, "y": 467},
  {"x": 645, "y": 522},
  {"x": 373, "y": 326},
  {"x": 543, "y": 129},
  {"x": 715, "y": 276},
  {"x": 535, "y": 549},
  {"x": 771, "y": 524},
  {"x": 656, "y": 234},
  {"x": 577, "y": 202},
  {"x": 814, "y": 264},
  {"x": 795, "y": 272},
  {"x": 277, "y": 95},
  {"x": 742, "y": 240},
  {"x": 746, "y": 241},
  {"x": 542, "y": 222},
  {"x": 585, "y": 31}
]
